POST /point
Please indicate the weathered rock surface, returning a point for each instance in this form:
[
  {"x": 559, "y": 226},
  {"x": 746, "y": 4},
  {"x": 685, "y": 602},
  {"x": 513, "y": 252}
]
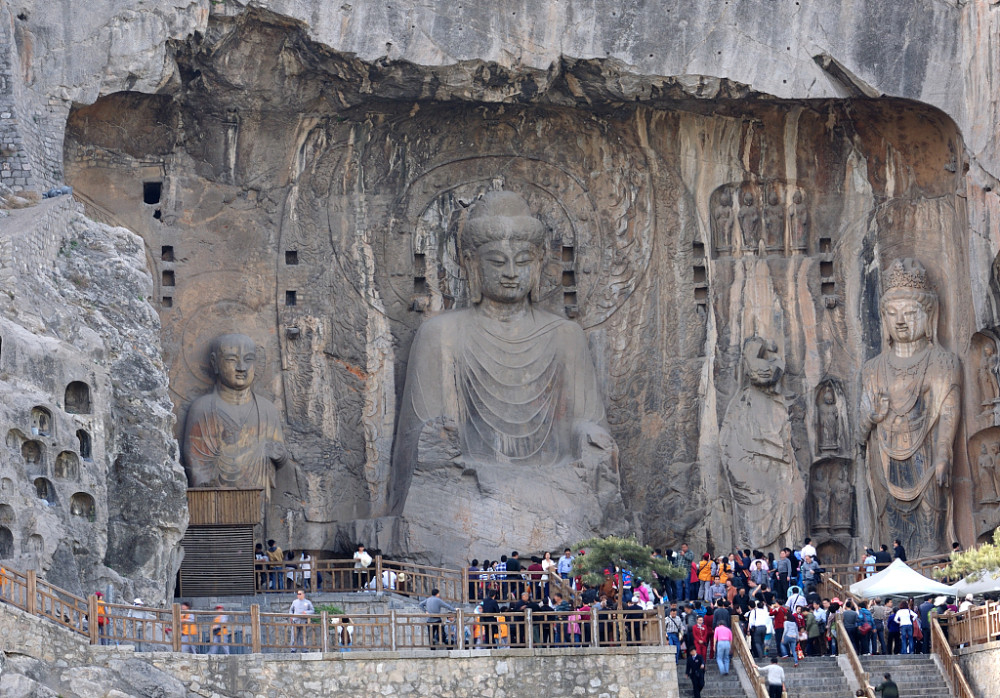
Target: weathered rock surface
[
  {"x": 304, "y": 162},
  {"x": 90, "y": 489}
]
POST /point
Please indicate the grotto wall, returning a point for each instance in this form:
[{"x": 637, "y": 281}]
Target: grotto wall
[{"x": 707, "y": 172}]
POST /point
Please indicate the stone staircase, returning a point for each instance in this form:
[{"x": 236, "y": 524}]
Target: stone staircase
[
  {"x": 716, "y": 685},
  {"x": 814, "y": 677},
  {"x": 917, "y": 675}
]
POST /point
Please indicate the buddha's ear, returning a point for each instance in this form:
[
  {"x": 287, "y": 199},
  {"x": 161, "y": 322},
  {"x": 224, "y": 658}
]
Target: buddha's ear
[
  {"x": 475, "y": 283},
  {"x": 535, "y": 290}
]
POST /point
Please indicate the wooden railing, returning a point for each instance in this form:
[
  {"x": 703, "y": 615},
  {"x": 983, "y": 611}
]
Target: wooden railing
[
  {"x": 846, "y": 575},
  {"x": 340, "y": 575},
  {"x": 977, "y": 625},
  {"x": 240, "y": 631},
  {"x": 846, "y": 647},
  {"x": 952, "y": 669},
  {"x": 742, "y": 651}
]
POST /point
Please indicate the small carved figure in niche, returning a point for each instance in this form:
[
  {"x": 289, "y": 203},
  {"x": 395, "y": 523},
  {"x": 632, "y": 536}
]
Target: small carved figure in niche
[
  {"x": 820, "y": 490},
  {"x": 515, "y": 382},
  {"x": 841, "y": 502},
  {"x": 722, "y": 215},
  {"x": 829, "y": 421},
  {"x": 41, "y": 422},
  {"x": 232, "y": 435},
  {"x": 799, "y": 220},
  {"x": 774, "y": 222},
  {"x": 989, "y": 390},
  {"x": 910, "y": 409},
  {"x": 756, "y": 440},
  {"x": 749, "y": 222},
  {"x": 988, "y": 473}
]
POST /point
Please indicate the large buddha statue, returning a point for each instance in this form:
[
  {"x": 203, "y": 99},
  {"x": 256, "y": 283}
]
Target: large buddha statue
[
  {"x": 503, "y": 389},
  {"x": 910, "y": 409},
  {"x": 232, "y": 436}
]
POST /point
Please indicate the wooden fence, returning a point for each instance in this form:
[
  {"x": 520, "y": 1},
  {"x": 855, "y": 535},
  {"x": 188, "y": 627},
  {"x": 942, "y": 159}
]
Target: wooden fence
[
  {"x": 222, "y": 631},
  {"x": 977, "y": 625},
  {"x": 952, "y": 669}
]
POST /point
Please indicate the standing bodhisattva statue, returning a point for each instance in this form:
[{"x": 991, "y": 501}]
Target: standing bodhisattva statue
[
  {"x": 232, "y": 435},
  {"x": 910, "y": 409}
]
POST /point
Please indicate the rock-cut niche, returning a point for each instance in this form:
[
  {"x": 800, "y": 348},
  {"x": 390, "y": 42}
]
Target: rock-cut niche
[
  {"x": 78, "y": 398},
  {"x": 67, "y": 466},
  {"x": 41, "y": 422}
]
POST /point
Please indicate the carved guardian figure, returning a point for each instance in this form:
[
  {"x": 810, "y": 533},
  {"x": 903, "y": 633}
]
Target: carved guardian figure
[{"x": 910, "y": 409}]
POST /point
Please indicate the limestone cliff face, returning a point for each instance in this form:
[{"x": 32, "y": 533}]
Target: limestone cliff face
[
  {"x": 304, "y": 161},
  {"x": 92, "y": 492}
]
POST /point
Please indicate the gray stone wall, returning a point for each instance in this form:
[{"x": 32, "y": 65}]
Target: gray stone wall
[
  {"x": 94, "y": 498},
  {"x": 52, "y": 661},
  {"x": 981, "y": 665}
]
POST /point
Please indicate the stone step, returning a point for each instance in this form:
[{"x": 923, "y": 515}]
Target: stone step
[{"x": 716, "y": 685}]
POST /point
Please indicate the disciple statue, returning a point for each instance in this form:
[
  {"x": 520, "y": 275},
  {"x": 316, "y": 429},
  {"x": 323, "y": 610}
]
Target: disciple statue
[
  {"x": 756, "y": 439},
  {"x": 232, "y": 436},
  {"x": 988, "y": 475},
  {"x": 504, "y": 389},
  {"x": 774, "y": 222},
  {"x": 820, "y": 491},
  {"x": 989, "y": 390},
  {"x": 910, "y": 409},
  {"x": 749, "y": 222},
  {"x": 841, "y": 502},
  {"x": 799, "y": 221},
  {"x": 722, "y": 215},
  {"x": 829, "y": 421}
]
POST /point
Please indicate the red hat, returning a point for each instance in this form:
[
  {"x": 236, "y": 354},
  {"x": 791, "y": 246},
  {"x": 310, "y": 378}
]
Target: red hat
[
  {"x": 98, "y": 594},
  {"x": 220, "y": 607},
  {"x": 706, "y": 556}
]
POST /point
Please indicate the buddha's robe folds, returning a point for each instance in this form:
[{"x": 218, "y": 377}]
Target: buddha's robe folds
[
  {"x": 518, "y": 392},
  {"x": 917, "y": 433},
  {"x": 229, "y": 445}
]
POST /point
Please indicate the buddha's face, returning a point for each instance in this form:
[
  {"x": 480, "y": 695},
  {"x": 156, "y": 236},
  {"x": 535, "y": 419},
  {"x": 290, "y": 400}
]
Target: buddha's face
[
  {"x": 234, "y": 363},
  {"x": 906, "y": 320},
  {"x": 506, "y": 269}
]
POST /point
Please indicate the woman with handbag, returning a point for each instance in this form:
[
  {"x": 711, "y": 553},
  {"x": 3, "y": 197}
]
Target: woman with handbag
[{"x": 905, "y": 618}]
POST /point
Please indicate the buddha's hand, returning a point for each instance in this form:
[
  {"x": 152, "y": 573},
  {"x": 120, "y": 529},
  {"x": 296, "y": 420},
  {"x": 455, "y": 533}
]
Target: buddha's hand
[
  {"x": 941, "y": 470},
  {"x": 880, "y": 408},
  {"x": 276, "y": 452}
]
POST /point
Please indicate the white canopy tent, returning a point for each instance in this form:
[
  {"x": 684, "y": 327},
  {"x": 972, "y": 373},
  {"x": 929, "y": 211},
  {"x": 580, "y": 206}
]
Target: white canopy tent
[
  {"x": 990, "y": 581},
  {"x": 899, "y": 580}
]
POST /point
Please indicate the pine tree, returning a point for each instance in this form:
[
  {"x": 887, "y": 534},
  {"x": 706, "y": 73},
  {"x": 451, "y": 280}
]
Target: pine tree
[
  {"x": 613, "y": 553},
  {"x": 975, "y": 563}
]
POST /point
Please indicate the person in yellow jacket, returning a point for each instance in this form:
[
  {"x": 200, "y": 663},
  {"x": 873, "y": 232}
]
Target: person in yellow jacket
[
  {"x": 220, "y": 633},
  {"x": 705, "y": 577},
  {"x": 102, "y": 619},
  {"x": 189, "y": 630}
]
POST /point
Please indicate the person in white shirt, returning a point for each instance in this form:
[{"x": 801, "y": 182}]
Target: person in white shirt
[
  {"x": 966, "y": 604},
  {"x": 305, "y": 568},
  {"x": 905, "y": 618},
  {"x": 808, "y": 549},
  {"x": 775, "y": 677}
]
